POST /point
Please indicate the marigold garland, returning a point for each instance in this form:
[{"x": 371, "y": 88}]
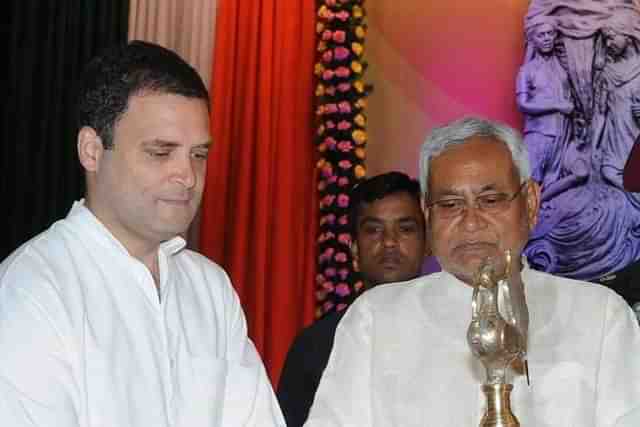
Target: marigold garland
[{"x": 341, "y": 141}]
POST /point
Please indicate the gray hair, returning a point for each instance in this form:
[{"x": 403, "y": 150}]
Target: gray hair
[{"x": 460, "y": 131}]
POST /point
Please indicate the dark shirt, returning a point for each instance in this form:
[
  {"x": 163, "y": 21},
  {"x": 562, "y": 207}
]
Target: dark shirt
[{"x": 306, "y": 360}]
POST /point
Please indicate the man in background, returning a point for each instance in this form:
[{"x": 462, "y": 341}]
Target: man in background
[
  {"x": 389, "y": 246},
  {"x": 106, "y": 318}
]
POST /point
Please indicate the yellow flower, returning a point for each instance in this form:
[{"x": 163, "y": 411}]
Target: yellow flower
[
  {"x": 320, "y": 90},
  {"x": 323, "y": 11},
  {"x": 357, "y": 48},
  {"x": 360, "y": 153},
  {"x": 360, "y": 120},
  {"x": 356, "y": 66},
  {"x": 359, "y": 136},
  {"x": 320, "y": 163},
  {"x": 358, "y": 85},
  {"x": 319, "y": 27},
  {"x": 357, "y": 12},
  {"x": 318, "y": 69},
  {"x": 322, "y": 46},
  {"x": 361, "y": 103},
  {"x": 360, "y": 32},
  {"x": 359, "y": 171}
]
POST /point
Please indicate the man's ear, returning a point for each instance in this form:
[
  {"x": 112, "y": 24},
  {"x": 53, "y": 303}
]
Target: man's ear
[
  {"x": 533, "y": 203},
  {"x": 354, "y": 254},
  {"x": 90, "y": 149}
]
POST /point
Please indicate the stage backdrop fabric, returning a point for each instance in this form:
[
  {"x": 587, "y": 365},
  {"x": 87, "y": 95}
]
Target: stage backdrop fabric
[{"x": 260, "y": 206}]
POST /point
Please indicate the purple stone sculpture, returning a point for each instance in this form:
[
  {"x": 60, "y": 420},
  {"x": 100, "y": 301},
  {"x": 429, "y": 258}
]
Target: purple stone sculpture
[{"x": 579, "y": 89}]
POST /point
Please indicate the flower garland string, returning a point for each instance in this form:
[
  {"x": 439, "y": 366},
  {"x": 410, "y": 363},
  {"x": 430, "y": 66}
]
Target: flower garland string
[{"x": 341, "y": 140}]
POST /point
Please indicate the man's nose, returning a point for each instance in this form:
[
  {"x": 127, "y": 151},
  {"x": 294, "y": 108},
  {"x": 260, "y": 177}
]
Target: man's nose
[
  {"x": 389, "y": 238},
  {"x": 184, "y": 173},
  {"x": 472, "y": 218}
]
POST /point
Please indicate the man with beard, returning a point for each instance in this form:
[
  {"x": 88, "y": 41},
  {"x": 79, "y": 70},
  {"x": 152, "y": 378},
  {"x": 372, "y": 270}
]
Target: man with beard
[
  {"x": 389, "y": 246},
  {"x": 401, "y": 356}
]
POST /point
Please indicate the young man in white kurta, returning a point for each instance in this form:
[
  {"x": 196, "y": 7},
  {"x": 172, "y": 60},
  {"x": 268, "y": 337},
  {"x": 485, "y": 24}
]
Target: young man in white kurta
[
  {"x": 106, "y": 320},
  {"x": 85, "y": 339}
]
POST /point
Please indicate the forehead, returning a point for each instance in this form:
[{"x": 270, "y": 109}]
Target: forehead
[
  {"x": 168, "y": 117},
  {"x": 479, "y": 162},
  {"x": 391, "y": 207},
  {"x": 544, "y": 28}
]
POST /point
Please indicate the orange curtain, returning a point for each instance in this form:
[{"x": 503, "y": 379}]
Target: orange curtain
[{"x": 259, "y": 217}]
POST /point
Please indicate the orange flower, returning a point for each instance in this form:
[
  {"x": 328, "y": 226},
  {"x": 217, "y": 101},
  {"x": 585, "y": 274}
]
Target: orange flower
[
  {"x": 320, "y": 129},
  {"x": 356, "y": 66},
  {"x": 319, "y": 27},
  {"x": 359, "y": 171},
  {"x": 359, "y": 136},
  {"x": 359, "y": 86},
  {"x": 322, "y": 46},
  {"x": 361, "y": 103},
  {"x": 318, "y": 69},
  {"x": 360, "y": 120},
  {"x": 320, "y": 90},
  {"x": 320, "y": 163},
  {"x": 360, "y": 32},
  {"x": 323, "y": 11},
  {"x": 357, "y": 12},
  {"x": 357, "y": 48},
  {"x": 360, "y": 153}
]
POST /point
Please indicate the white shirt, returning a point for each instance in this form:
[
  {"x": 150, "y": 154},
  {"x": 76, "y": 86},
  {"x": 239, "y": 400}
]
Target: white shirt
[
  {"x": 400, "y": 358},
  {"x": 85, "y": 340}
]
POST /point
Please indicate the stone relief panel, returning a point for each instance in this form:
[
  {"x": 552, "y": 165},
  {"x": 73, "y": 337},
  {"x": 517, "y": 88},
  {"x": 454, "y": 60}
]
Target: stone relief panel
[{"x": 579, "y": 91}]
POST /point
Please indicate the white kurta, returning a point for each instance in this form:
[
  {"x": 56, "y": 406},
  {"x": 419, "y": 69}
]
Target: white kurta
[
  {"x": 401, "y": 358},
  {"x": 86, "y": 341}
]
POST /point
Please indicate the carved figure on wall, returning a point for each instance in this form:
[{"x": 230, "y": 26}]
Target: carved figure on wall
[
  {"x": 544, "y": 96},
  {"x": 621, "y": 83},
  {"x": 589, "y": 226}
]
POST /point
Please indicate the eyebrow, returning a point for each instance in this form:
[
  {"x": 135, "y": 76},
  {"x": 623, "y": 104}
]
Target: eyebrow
[
  {"x": 379, "y": 220},
  {"x": 161, "y": 143},
  {"x": 454, "y": 192}
]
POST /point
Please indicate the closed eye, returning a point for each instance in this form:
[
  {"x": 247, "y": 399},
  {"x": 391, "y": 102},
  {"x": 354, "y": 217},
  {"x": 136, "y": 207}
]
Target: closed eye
[{"x": 450, "y": 204}]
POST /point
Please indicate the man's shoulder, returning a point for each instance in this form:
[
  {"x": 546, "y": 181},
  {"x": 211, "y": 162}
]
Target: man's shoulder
[
  {"x": 398, "y": 291},
  {"x": 38, "y": 256},
  {"x": 578, "y": 292}
]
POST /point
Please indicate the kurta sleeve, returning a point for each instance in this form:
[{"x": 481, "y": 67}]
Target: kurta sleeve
[
  {"x": 37, "y": 386},
  {"x": 618, "y": 390},
  {"x": 249, "y": 396},
  {"x": 344, "y": 394}
]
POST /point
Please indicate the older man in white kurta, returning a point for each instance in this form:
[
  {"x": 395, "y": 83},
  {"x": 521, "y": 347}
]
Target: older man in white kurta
[{"x": 401, "y": 356}]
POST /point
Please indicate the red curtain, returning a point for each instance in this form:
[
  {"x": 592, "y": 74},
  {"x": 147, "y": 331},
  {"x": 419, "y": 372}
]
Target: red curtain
[{"x": 259, "y": 217}]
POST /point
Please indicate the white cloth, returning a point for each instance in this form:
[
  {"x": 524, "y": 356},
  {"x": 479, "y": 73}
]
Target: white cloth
[
  {"x": 400, "y": 358},
  {"x": 85, "y": 340}
]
